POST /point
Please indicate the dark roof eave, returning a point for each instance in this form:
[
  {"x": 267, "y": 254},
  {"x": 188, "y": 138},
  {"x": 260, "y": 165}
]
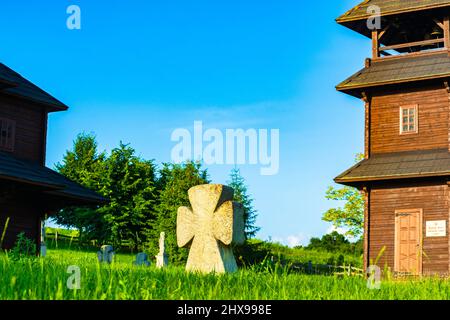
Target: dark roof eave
[
  {"x": 33, "y": 183},
  {"x": 384, "y": 83},
  {"x": 392, "y": 177},
  {"x": 53, "y": 107},
  {"x": 89, "y": 200}
]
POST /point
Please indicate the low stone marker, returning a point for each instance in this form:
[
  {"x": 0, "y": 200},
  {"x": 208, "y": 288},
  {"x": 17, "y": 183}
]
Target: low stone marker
[
  {"x": 43, "y": 249},
  {"x": 141, "y": 260},
  {"x": 210, "y": 227},
  {"x": 161, "y": 258},
  {"x": 106, "y": 254}
]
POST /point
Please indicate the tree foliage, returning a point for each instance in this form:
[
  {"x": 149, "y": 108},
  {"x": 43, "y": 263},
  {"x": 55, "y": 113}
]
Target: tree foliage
[
  {"x": 129, "y": 183},
  {"x": 83, "y": 165},
  {"x": 123, "y": 178},
  {"x": 174, "y": 182},
  {"x": 241, "y": 195},
  {"x": 335, "y": 242},
  {"x": 143, "y": 200},
  {"x": 351, "y": 215}
]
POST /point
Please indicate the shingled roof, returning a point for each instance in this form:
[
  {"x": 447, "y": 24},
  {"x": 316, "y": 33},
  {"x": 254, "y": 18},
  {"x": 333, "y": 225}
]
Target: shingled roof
[
  {"x": 16, "y": 85},
  {"x": 398, "y": 70},
  {"x": 390, "y": 7},
  {"x": 416, "y": 164},
  {"x": 13, "y": 169}
]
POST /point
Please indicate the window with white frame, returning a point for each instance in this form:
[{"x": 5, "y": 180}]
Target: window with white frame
[{"x": 409, "y": 119}]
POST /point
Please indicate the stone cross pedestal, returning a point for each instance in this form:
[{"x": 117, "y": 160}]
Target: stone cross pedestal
[
  {"x": 141, "y": 260},
  {"x": 210, "y": 227},
  {"x": 106, "y": 254},
  {"x": 161, "y": 258}
]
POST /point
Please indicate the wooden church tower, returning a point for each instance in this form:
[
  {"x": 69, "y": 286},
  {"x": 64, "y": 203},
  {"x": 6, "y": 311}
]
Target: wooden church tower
[{"x": 405, "y": 176}]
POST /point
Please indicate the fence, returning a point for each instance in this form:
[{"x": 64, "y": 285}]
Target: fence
[{"x": 326, "y": 269}]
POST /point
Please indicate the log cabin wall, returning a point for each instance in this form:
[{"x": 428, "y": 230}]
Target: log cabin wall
[
  {"x": 433, "y": 121},
  {"x": 23, "y": 217},
  {"x": 432, "y": 198},
  {"x": 30, "y": 127}
]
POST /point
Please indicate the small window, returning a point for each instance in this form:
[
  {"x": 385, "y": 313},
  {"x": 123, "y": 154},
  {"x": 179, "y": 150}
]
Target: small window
[
  {"x": 409, "y": 120},
  {"x": 7, "y": 134}
]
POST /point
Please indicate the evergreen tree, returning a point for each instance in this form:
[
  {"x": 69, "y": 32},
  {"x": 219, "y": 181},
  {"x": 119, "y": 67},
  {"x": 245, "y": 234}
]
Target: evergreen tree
[
  {"x": 129, "y": 183},
  {"x": 82, "y": 165},
  {"x": 174, "y": 182},
  {"x": 237, "y": 182}
]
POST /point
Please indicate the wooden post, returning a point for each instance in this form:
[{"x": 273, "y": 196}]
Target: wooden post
[
  {"x": 448, "y": 224},
  {"x": 366, "y": 126},
  {"x": 447, "y": 33},
  {"x": 375, "y": 45},
  {"x": 447, "y": 86},
  {"x": 366, "y": 256}
]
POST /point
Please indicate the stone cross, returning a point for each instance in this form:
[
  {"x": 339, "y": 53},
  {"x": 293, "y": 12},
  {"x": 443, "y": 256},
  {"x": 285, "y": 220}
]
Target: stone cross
[
  {"x": 161, "y": 258},
  {"x": 210, "y": 227},
  {"x": 142, "y": 260},
  {"x": 106, "y": 254}
]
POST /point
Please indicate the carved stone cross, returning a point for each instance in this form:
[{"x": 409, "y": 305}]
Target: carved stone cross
[{"x": 213, "y": 224}]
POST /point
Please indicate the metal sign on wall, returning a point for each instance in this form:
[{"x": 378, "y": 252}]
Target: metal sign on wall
[{"x": 436, "y": 228}]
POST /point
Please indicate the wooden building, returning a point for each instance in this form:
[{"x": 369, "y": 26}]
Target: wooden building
[
  {"x": 28, "y": 190},
  {"x": 405, "y": 176}
]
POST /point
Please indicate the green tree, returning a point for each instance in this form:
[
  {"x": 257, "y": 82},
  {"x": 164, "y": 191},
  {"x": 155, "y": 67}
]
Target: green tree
[
  {"x": 83, "y": 165},
  {"x": 237, "y": 182},
  {"x": 174, "y": 182},
  {"x": 129, "y": 182},
  {"x": 351, "y": 215},
  {"x": 330, "y": 242}
]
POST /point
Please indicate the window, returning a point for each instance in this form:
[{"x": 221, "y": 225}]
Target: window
[
  {"x": 408, "y": 120},
  {"x": 7, "y": 134}
]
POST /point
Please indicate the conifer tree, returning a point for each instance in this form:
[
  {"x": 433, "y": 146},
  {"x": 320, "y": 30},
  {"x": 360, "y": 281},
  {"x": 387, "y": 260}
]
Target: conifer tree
[{"x": 237, "y": 182}]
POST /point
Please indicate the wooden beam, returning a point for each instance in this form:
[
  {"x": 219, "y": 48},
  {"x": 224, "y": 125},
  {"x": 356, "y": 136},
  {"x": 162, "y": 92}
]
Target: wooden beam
[
  {"x": 412, "y": 44},
  {"x": 440, "y": 24},
  {"x": 448, "y": 222},
  {"x": 447, "y": 87},
  {"x": 447, "y": 33},
  {"x": 375, "y": 45},
  {"x": 382, "y": 33},
  {"x": 366, "y": 100},
  {"x": 366, "y": 258}
]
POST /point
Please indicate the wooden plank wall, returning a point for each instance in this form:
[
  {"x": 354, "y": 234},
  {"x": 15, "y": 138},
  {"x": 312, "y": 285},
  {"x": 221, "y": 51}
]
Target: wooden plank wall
[
  {"x": 31, "y": 121},
  {"x": 23, "y": 218},
  {"x": 433, "y": 120},
  {"x": 385, "y": 200}
]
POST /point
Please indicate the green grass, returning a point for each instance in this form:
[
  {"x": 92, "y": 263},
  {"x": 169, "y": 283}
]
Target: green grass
[{"x": 46, "y": 278}]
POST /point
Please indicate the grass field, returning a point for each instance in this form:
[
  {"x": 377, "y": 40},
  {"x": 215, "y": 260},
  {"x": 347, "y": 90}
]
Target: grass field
[{"x": 46, "y": 278}]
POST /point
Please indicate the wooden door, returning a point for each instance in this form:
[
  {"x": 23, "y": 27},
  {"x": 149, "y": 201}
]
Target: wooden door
[{"x": 408, "y": 242}]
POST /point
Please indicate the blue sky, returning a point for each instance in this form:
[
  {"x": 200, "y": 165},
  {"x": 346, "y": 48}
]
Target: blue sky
[{"x": 139, "y": 69}]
